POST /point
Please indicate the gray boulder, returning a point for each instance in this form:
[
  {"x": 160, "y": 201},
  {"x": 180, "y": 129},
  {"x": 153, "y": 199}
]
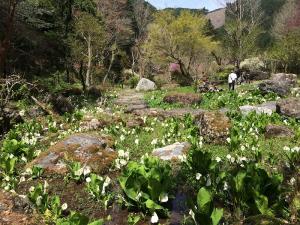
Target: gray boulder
[
  {"x": 175, "y": 151},
  {"x": 289, "y": 79},
  {"x": 266, "y": 108},
  {"x": 289, "y": 107},
  {"x": 145, "y": 85},
  {"x": 280, "y": 84},
  {"x": 270, "y": 86},
  {"x": 258, "y": 75}
]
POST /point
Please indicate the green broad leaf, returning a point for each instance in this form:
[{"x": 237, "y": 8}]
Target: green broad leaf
[
  {"x": 78, "y": 219},
  {"x": 131, "y": 193},
  {"x": 97, "y": 222},
  {"x": 152, "y": 205},
  {"x": 204, "y": 199},
  {"x": 239, "y": 181},
  {"x": 222, "y": 175},
  {"x": 74, "y": 219},
  {"x": 122, "y": 181},
  {"x": 133, "y": 219},
  {"x": 10, "y": 165},
  {"x": 216, "y": 216},
  {"x": 262, "y": 204},
  {"x": 154, "y": 187}
]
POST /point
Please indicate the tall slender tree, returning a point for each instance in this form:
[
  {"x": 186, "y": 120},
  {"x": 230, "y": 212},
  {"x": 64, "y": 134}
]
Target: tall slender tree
[{"x": 89, "y": 40}]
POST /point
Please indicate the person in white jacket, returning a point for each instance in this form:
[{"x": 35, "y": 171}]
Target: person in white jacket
[{"x": 232, "y": 80}]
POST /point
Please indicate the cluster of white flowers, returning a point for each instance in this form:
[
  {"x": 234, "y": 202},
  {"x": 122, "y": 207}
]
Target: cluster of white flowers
[
  {"x": 149, "y": 129},
  {"x": 295, "y": 92},
  {"x": 240, "y": 160},
  {"x": 31, "y": 138},
  {"x": 206, "y": 178},
  {"x": 230, "y": 158},
  {"x": 154, "y": 142},
  {"x": 292, "y": 150},
  {"x": 122, "y": 160}
]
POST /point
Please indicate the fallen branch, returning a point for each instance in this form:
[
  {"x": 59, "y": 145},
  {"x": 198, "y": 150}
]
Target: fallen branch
[{"x": 43, "y": 106}]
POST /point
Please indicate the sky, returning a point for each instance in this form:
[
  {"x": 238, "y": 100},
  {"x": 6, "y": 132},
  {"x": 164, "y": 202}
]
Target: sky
[{"x": 194, "y": 4}]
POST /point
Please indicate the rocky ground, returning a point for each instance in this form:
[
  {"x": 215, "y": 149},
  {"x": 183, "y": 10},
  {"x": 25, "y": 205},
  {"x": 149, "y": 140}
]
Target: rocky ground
[{"x": 64, "y": 154}]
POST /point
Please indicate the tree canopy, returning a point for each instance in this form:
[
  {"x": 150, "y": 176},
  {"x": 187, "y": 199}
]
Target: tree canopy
[{"x": 182, "y": 40}]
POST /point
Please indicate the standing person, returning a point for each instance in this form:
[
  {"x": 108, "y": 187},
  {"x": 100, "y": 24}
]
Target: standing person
[{"x": 231, "y": 80}]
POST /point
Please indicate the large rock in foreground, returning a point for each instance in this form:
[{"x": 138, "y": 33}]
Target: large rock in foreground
[
  {"x": 89, "y": 150},
  {"x": 14, "y": 210},
  {"x": 266, "y": 108},
  {"x": 289, "y": 107},
  {"x": 145, "y": 85},
  {"x": 175, "y": 151},
  {"x": 274, "y": 131},
  {"x": 214, "y": 126},
  {"x": 182, "y": 98}
]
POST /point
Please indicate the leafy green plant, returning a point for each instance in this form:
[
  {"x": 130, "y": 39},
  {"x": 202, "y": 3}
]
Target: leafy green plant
[
  {"x": 24, "y": 129},
  {"x": 202, "y": 170},
  {"x": 77, "y": 219},
  {"x": 50, "y": 206},
  {"x": 8, "y": 163},
  {"x": 293, "y": 156},
  {"x": 52, "y": 124},
  {"x": 76, "y": 171},
  {"x": 147, "y": 185},
  {"x": 254, "y": 191},
  {"x": 204, "y": 213},
  {"x": 97, "y": 187},
  {"x": 37, "y": 171},
  {"x": 133, "y": 219},
  {"x": 72, "y": 117},
  {"x": 39, "y": 197},
  {"x": 232, "y": 100},
  {"x": 15, "y": 147},
  {"x": 133, "y": 81}
]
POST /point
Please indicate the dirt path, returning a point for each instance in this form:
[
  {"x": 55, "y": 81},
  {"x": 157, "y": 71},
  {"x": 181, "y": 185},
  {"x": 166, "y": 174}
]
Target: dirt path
[{"x": 131, "y": 100}]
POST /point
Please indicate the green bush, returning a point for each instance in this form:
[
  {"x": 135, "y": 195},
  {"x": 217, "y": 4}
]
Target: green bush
[
  {"x": 133, "y": 81},
  {"x": 147, "y": 185}
]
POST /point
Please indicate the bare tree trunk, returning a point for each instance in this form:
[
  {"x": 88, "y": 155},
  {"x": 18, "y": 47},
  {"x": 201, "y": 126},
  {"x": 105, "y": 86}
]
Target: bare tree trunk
[
  {"x": 110, "y": 66},
  {"x": 133, "y": 62},
  {"x": 89, "y": 64},
  {"x": 182, "y": 69},
  {"x": 81, "y": 76},
  {"x": 217, "y": 58}
]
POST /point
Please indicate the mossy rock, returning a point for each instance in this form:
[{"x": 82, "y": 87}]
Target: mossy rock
[
  {"x": 182, "y": 98},
  {"x": 93, "y": 151}
]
